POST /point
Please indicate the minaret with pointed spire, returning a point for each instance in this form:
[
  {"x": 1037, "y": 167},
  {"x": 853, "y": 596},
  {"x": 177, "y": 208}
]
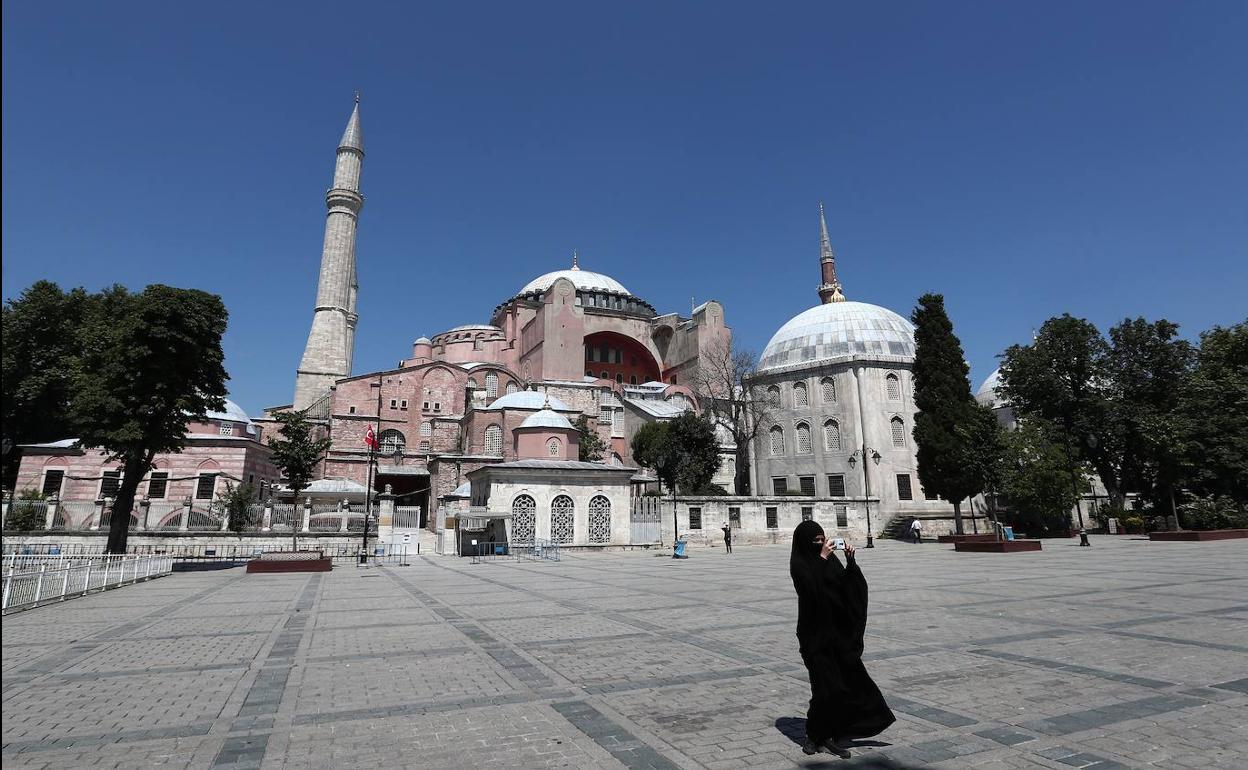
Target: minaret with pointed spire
[
  {"x": 830, "y": 288},
  {"x": 331, "y": 342}
]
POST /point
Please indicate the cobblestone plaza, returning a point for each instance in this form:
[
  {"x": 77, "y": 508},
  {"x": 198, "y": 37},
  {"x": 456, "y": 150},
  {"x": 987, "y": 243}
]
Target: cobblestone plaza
[{"x": 1127, "y": 654}]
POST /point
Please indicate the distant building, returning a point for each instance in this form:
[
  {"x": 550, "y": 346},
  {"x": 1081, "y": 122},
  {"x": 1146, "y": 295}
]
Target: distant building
[
  {"x": 837, "y": 379},
  {"x": 225, "y": 448}
]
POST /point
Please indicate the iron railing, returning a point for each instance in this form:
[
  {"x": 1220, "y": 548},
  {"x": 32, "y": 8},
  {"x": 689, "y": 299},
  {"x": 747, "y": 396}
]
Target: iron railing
[{"x": 64, "y": 578}]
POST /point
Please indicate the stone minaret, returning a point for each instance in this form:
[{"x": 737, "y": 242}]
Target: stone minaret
[
  {"x": 830, "y": 288},
  {"x": 331, "y": 342}
]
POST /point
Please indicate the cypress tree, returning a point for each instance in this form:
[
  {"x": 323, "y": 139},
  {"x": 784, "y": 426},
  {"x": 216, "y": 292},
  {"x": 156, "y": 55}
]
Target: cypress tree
[{"x": 944, "y": 428}]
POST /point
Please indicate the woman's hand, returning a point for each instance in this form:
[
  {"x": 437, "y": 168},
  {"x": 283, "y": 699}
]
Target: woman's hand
[{"x": 849, "y": 552}]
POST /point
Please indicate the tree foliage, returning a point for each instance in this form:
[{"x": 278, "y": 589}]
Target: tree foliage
[
  {"x": 235, "y": 501},
  {"x": 297, "y": 452},
  {"x": 24, "y": 514},
  {"x": 1062, "y": 378},
  {"x": 1037, "y": 479},
  {"x": 149, "y": 362},
  {"x": 1146, "y": 369},
  {"x": 722, "y": 383},
  {"x": 1213, "y": 415},
  {"x": 949, "y": 425},
  {"x": 41, "y": 348},
  {"x": 592, "y": 448},
  {"x": 683, "y": 452}
]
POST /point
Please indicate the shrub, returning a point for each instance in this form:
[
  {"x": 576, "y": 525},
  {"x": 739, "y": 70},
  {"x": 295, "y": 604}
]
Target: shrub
[
  {"x": 24, "y": 515},
  {"x": 1212, "y": 512}
]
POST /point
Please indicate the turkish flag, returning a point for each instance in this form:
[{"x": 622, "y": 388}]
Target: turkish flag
[{"x": 370, "y": 438}]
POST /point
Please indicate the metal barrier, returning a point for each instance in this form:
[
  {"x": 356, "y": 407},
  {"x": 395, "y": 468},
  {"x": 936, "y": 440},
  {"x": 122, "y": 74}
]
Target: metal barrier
[
  {"x": 67, "y": 577},
  {"x": 540, "y": 550}
]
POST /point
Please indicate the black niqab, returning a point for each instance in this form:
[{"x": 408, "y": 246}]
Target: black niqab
[{"x": 831, "y": 621}]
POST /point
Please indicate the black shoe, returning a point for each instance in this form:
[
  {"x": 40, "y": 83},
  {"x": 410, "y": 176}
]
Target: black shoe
[
  {"x": 835, "y": 747},
  {"x": 810, "y": 748}
]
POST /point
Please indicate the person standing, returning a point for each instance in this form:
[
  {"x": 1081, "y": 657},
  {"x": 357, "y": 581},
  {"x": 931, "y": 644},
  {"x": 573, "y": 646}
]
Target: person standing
[
  {"x": 845, "y": 704},
  {"x": 916, "y": 531},
  {"x": 727, "y": 538}
]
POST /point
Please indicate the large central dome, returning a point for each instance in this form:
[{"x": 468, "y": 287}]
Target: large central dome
[
  {"x": 581, "y": 279},
  {"x": 839, "y": 330}
]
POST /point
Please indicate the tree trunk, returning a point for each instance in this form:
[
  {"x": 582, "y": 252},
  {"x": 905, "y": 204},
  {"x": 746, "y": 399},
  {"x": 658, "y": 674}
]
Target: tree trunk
[
  {"x": 741, "y": 480},
  {"x": 119, "y": 527},
  {"x": 957, "y": 517}
]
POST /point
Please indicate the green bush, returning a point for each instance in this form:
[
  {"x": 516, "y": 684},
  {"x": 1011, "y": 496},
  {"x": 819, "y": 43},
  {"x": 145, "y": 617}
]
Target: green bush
[
  {"x": 1212, "y": 513},
  {"x": 24, "y": 515}
]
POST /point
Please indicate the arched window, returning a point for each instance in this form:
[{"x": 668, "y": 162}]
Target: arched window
[
  {"x": 899, "y": 432},
  {"x": 800, "y": 397},
  {"x": 632, "y": 380},
  {"x": 606, "y": 375},
  {"x": 512, "y": 387},
  {"x": 803, "y": 439},
  {"x": 773, "y": 395},
  {"x": 831, "y": 436},
  {"x": 599, "y": 519},
  {"x": 491, "y": 385},
  {"x": 828, "y": 386},
  {"x": 494, "y": 440},
  {"x": 894, "y": 387},
  {"x": 777, "y": 440},
  {"x": 523, "y": 520},
  {"x": 552, "y": 447},
  {"x": 562, "y": 512},
  {"x": 392, "y": 441},
  {"x": 426, "y": 429}
]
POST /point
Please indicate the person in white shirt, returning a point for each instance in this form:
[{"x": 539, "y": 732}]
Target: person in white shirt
[{"x": 916, "y": 531}]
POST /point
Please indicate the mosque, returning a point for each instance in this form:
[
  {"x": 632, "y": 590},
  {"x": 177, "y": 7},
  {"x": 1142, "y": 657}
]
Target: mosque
[{"x": 482, "y": 416}]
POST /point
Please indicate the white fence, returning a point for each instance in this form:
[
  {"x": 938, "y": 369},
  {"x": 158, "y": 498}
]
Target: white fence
[{"x": 28, "y": 584}]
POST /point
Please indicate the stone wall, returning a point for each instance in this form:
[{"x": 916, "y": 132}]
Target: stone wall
[{"x": 715, "y": 512}]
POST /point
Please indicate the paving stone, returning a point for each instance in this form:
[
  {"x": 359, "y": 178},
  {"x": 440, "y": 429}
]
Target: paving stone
[{"x": 1124, "y": 655}]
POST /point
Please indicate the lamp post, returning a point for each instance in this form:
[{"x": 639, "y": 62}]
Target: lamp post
[{"x": 875, "y": 456}]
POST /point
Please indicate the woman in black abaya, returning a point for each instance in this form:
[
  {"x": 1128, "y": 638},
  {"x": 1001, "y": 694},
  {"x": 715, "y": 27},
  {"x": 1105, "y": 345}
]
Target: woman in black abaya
[{"x": 831, "y": 619}]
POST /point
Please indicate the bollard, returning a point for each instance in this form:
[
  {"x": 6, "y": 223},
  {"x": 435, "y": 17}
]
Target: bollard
[{"x": 1083, "y": 537}]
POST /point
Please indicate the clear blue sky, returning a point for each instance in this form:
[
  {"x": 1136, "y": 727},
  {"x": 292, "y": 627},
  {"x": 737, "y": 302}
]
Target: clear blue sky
[{"x": 1023, "y": 159}]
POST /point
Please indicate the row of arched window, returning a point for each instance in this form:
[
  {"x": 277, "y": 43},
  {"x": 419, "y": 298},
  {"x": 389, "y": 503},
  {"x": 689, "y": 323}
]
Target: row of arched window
[
  {"x": 562, "y": 519},
  {"x": 827, "y": 391},
  {"x": 831, "y": 436}
]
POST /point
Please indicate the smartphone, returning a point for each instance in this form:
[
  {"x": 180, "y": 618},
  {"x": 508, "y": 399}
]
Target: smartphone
[{"x": 838, "y": 544}]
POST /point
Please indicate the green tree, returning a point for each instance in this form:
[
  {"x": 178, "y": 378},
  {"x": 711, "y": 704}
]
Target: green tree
[
  {"x": 683, "y": 452},
  {"x": 24, "y": 515},
  {"x": 235, "y": 502},
  {"x": 297, "y": 454},
  {"x": 1064, "y": 379},
  {"x": 150, "y": 362},
  {"x": 1213, "y": 415},
  {"x": 592, "y": 447},
  {"x": 1147, "y": 368},
  {"x": 1036, "y": 479},
  {"x": 41, "y": 348},
  {"x": 949, "y": 422}
]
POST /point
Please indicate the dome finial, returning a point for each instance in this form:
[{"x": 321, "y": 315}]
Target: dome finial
[
  {"x": 575, "y": 266},
  {"x": 830, "y": 288}
]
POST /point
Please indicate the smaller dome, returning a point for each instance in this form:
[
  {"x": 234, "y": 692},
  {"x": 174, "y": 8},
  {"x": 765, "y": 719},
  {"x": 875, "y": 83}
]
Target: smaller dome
[
  {"x": 232, "y": 412},
  {"x": 547, "y": 419},
  {"x": 840, "y": 331},
  {"x": 423, "y": 341},
  {"x": 528, "y": 399},
  {"x": 988, "y": 392}
]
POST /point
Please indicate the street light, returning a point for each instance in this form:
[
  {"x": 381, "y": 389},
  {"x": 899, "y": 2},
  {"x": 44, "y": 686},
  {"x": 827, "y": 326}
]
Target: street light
[{"x": 875, "y": 456}]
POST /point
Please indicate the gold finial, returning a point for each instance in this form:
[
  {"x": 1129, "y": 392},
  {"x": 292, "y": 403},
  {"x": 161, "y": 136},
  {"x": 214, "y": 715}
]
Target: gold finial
[
  {"x": 575, "y": 266},
  {"x": 357, "y": 97}
]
